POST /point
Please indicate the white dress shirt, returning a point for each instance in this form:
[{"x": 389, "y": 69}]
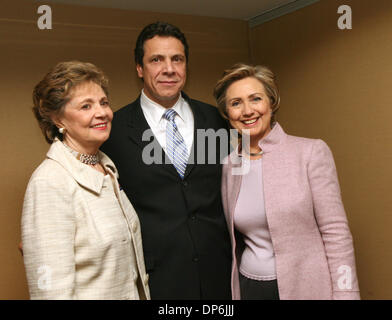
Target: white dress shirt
[{"x": 153, "y": 112}]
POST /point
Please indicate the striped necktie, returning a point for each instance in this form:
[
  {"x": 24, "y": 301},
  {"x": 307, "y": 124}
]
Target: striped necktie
[{"x": 175, "y": 144}]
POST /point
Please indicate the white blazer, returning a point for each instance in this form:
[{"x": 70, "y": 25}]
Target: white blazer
[{"x": 81, "y": 236}]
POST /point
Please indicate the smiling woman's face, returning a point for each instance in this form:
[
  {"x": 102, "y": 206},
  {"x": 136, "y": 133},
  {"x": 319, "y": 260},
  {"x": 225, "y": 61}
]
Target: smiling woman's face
[
  {"x": 248, "y": 107},
  {"x": 87, "y": 118}
]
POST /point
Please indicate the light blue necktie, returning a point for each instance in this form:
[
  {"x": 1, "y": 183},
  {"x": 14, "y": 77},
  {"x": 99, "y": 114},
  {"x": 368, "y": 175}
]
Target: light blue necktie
[{"x": 175, "y": 144}]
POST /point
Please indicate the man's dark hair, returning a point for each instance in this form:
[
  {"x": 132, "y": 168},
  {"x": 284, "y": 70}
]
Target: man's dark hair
[{"x": 162, "y": 29}]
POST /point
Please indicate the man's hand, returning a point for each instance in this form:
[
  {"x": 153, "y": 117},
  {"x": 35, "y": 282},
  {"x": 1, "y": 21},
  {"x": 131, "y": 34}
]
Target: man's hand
[{"x": 20, "y": 247}]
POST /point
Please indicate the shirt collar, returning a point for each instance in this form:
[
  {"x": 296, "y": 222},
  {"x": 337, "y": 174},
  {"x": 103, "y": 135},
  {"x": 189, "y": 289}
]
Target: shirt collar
[{"x": 156, "y": 111}]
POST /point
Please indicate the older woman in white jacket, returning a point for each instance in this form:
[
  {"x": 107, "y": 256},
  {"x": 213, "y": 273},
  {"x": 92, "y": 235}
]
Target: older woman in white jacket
[{"x": 81, "y": 236}]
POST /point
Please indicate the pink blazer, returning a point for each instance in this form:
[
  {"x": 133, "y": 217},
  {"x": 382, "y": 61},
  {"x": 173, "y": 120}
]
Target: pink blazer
[{"x": 306, "y": 218}]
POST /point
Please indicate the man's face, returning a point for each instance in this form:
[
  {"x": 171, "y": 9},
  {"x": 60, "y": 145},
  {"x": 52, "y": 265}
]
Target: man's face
[{"x": 163, "y": 70}]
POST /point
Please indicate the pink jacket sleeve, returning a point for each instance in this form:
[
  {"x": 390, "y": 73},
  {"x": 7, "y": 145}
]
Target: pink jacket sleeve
[{"x": 332, "y": 222}]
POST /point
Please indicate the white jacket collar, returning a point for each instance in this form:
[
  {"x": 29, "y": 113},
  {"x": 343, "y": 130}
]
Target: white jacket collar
[{"x": 85, "y": 175}]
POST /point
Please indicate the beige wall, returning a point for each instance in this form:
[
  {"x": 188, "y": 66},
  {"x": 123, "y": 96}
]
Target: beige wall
[
  {"x": 336, "y": 85},
  {"x": 105, "y": 37}
]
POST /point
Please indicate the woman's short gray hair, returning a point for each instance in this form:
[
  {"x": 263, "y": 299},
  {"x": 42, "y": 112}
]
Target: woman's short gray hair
[{"x": 52, "y": 93}]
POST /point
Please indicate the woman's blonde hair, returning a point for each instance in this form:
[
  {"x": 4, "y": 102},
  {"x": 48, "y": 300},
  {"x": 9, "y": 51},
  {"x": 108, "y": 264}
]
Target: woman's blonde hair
[{"x": 241, "y": 71}]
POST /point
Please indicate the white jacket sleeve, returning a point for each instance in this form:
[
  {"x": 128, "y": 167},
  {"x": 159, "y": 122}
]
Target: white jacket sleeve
[{"x": 48, "y": 233}]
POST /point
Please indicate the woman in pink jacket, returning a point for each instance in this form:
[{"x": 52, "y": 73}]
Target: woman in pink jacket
[{"x": 282, "y": 202}]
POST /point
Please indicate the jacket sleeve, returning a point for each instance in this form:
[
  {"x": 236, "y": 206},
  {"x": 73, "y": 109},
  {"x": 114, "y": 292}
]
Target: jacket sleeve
[
  {"x": 332, "y": 222},
  {"x": 48, "y": 232}
]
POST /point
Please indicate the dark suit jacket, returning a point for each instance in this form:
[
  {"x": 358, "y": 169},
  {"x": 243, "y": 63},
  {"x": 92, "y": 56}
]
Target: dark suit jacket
[{"x": 185, "y": 238}]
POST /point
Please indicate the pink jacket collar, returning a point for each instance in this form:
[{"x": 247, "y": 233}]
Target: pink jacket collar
[{"x": 274, "y": 138}]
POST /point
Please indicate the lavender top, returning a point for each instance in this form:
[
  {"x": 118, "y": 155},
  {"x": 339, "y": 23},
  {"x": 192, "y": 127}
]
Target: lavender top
[{"x": 258, "y": 258}]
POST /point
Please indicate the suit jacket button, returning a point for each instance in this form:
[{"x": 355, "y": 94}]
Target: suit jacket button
[
  {"x": 185, "y": 183},
  {"x": 134, "y": 227},
  {"x": 195, "y": 259}
]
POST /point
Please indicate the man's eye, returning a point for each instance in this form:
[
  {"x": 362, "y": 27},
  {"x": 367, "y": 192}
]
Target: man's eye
[
  {"x": 86, "y": 106},
  {"x": 105, "y": 103},
  {"x": 155, "y": 60}
]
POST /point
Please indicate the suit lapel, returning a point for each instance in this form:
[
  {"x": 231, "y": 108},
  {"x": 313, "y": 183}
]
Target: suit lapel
[
  {"x": 199, "y": 123},
  {"x": 138, "y": 126}
]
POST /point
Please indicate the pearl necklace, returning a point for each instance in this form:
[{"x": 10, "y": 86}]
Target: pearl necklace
[
  {"x": 91, "y": 159},
  {"x": 252, "y": 154},
  {"x": 245, "y": 151},
  {"x": 255, "y": 154}
]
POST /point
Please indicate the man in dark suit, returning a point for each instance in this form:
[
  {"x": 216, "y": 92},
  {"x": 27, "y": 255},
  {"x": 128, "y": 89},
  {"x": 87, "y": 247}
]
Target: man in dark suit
[{"x": 186, "y": 244}]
